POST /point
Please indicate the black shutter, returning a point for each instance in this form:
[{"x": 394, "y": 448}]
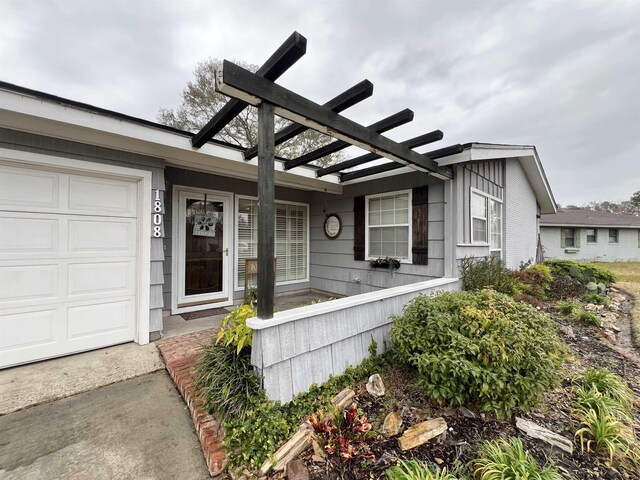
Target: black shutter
[
  {"x": 358, "y": 228},
  {"x": 420, "y": 225}
]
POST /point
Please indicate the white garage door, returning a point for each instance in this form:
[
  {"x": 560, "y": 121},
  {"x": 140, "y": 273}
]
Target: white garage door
[{"x": 67, "y": 263}]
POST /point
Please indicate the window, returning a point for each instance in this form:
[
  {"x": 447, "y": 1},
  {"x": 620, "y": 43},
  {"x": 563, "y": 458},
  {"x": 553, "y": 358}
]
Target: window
[
  {"x": 291, "y": 239},
  {"x": 613, "y": 235},
  {"x": 592, "y": 235},
  {"x": 569, "y": 237},
  {"x": 478, "y": 218},
  {"x": 388, "y": 227},
  {"x": 496, "y": 228}
]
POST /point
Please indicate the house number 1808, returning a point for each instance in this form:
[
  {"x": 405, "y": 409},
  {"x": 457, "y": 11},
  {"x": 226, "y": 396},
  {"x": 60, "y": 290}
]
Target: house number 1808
[{"x": 157, "y": 217}]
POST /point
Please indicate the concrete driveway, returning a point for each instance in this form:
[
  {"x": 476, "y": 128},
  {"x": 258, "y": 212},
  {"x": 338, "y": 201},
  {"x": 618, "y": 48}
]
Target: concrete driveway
[{"x": 138, "y": 428}]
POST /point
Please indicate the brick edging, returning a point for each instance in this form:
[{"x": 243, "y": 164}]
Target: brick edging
[{"x": 180, "y": 355}]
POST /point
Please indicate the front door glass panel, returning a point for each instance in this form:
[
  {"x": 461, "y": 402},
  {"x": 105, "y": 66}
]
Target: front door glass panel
[{"x": 204, "y": 247}]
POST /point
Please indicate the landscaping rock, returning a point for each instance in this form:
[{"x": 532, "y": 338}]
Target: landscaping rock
[
  {"x": 421, "y": 433},
  {"x": 568, "y": 331},
  {"x": 297, "y": 470},
  {"x": 375, "y": 386},
  {"x": 344, "y": 398},
  {"x": 298, "y": 443},
  {"x": 536, "y": 431},
  {"x": 467, "y": 413},
  {"x": 392, "y": 424}
]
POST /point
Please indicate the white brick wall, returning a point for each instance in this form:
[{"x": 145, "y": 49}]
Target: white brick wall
[
  {"x": 521, "y": 231},
  {"x": 626, "y": 250}
]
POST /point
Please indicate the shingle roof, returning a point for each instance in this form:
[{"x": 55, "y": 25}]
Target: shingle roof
[{"x": 586, "y": 218}]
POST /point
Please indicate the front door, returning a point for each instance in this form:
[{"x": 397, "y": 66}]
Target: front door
[{"x": 204, "y": 237}]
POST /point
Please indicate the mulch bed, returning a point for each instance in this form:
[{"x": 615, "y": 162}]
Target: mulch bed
[{"x": 468, "y": 428}]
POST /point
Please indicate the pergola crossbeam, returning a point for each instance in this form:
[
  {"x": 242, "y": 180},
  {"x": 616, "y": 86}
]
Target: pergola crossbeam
[
  {"x": 239, "y": 83},
  {"x": 284, "y": 57},
  {"x": 414, "y": 142},
  {"x": 384, "y": 125},
  {"x": 346, "y": 99},
  {"x": 387, "y": 167}
]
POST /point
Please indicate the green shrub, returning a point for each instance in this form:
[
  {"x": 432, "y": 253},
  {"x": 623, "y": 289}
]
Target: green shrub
[
  {"x": 479, "y": 347},
  {"x": 567, "y": 307},
  {"x": 417, "y": 470},
  {"x": 564, "y": 286},
  {"x": 507, "y": 459},
  {"x": 488, "y": 272},
  {"x": 574, "y": 311},
  {"x": 229, "y": 386},
  {"x": 588, "y": 317},
  {"x": 582, "y": 271},
  {"x": 535, "y": 279},
  {"x": 233, "y": 328},
  {"x": 596, "y": 298}
]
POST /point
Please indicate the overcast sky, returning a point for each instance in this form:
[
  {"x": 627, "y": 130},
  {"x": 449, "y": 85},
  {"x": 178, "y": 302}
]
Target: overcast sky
[{"x": 561, "y": 75}]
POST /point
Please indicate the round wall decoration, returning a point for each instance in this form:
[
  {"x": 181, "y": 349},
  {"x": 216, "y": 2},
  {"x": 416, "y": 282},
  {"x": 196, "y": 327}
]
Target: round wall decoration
[{"x": 332, "y": 226}]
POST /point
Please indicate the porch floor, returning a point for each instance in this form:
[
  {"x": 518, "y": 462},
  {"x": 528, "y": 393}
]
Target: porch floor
[{"x": 175, "y": 325}]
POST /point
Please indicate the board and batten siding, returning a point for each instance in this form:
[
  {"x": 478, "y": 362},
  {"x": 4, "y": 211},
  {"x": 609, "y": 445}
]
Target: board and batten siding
[
  {"x": 191, "y": 178},
  {"x": 28, "y": 142},
  {"x": 626, "y": 250},
  {"x": 333, "y": 268},
  {"x": 520, "y": 217}
]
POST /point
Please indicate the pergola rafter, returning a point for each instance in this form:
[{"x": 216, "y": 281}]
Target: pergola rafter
[
  {"x": 415, "y": 142},
  {"x": 284, "y": 57},
  {"x": 387, "y": 167},
  {"x": 384, "y": 125},
  {"x": 346, "y": 99}
]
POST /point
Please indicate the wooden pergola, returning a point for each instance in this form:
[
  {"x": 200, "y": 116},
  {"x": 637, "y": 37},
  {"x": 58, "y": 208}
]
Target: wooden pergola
[{"x": 260, "y": 90}]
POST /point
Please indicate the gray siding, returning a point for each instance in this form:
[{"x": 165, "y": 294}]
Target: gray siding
[
  {"x": 28, "y": 142},
  {"x": 626, "y": 250},
  {"x": 333, "y": 268},
  {"x": 520, "y": 217}
]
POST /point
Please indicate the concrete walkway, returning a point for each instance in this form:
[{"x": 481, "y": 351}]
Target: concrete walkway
[
  {"x": 138, "y": 428},
  {"x": 28, "y": 385}
]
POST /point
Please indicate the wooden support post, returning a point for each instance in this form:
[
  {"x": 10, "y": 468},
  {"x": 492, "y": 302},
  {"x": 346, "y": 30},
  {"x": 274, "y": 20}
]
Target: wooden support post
[{"x": 266, "y": 211}]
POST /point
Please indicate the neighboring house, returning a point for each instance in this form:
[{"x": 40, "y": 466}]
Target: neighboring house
[
  {"x": 107, "y": 220},
  {"x": 590, "y": 235}
]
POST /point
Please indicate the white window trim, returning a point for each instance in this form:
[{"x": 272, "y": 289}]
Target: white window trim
[
  {"x": 488, "y": 220},
  {"x": 236, "y": 258},
  {"x": 367, "y": 256}
]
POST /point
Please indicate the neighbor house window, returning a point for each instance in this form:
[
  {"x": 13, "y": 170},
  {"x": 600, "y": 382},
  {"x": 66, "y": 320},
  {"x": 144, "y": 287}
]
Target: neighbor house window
[
  {"x": 291, "y": 236},
  {"x": 479, "y": 222},
  {"x": 613, "y": 235},
  {"x": 569, "y": 237},
  {"x": 592, "y": 235},
  {"x": 388, "y": 225}
]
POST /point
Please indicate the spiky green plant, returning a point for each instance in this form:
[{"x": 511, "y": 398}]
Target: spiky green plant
[
  {"x": 609, "y": 384},
  {"x": 603, "y": 433},
  {"x": 590, "y": 398},
  {"x": 567, "y": 307},
  {"x": 507, "y": 459},
  {"x": 417, "y": 470},
  {"x": 588, "y": 317}
]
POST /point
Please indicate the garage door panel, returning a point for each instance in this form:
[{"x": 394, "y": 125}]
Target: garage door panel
[
  {"x": 101, "y": 237},
  {"x": 21, "y": 187},
  {"x": 29, "y": 329},
  {"x": 98, "y": 278},
  {"x": 28, "y": 234},
  {"x": 103, "y": 196},
  {"x": 28, "y": 283},
  {"x": 97, "y": 319}
]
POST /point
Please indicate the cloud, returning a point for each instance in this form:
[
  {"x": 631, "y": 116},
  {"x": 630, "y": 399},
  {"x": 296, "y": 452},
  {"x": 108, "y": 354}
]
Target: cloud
[{"x": 561, "y": 76}]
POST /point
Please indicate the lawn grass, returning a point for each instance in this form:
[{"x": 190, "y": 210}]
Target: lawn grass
[{"x": 628, "y": 274}]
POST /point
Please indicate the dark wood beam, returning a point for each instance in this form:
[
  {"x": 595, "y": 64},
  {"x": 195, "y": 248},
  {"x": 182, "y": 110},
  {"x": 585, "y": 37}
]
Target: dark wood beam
[
  {"x": 386, "y": 167},
  {"x": 414, "y": 142},
  {"x": 283, "y": 58},
  {"x": 384, "y": 125},
  {"x": 266, "y": 211},
  {"x": 237, "y": 82},
  {"x": 346, "y": 99}
]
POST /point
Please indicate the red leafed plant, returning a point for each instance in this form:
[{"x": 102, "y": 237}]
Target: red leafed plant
[{"x": 344, "y": 436}]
